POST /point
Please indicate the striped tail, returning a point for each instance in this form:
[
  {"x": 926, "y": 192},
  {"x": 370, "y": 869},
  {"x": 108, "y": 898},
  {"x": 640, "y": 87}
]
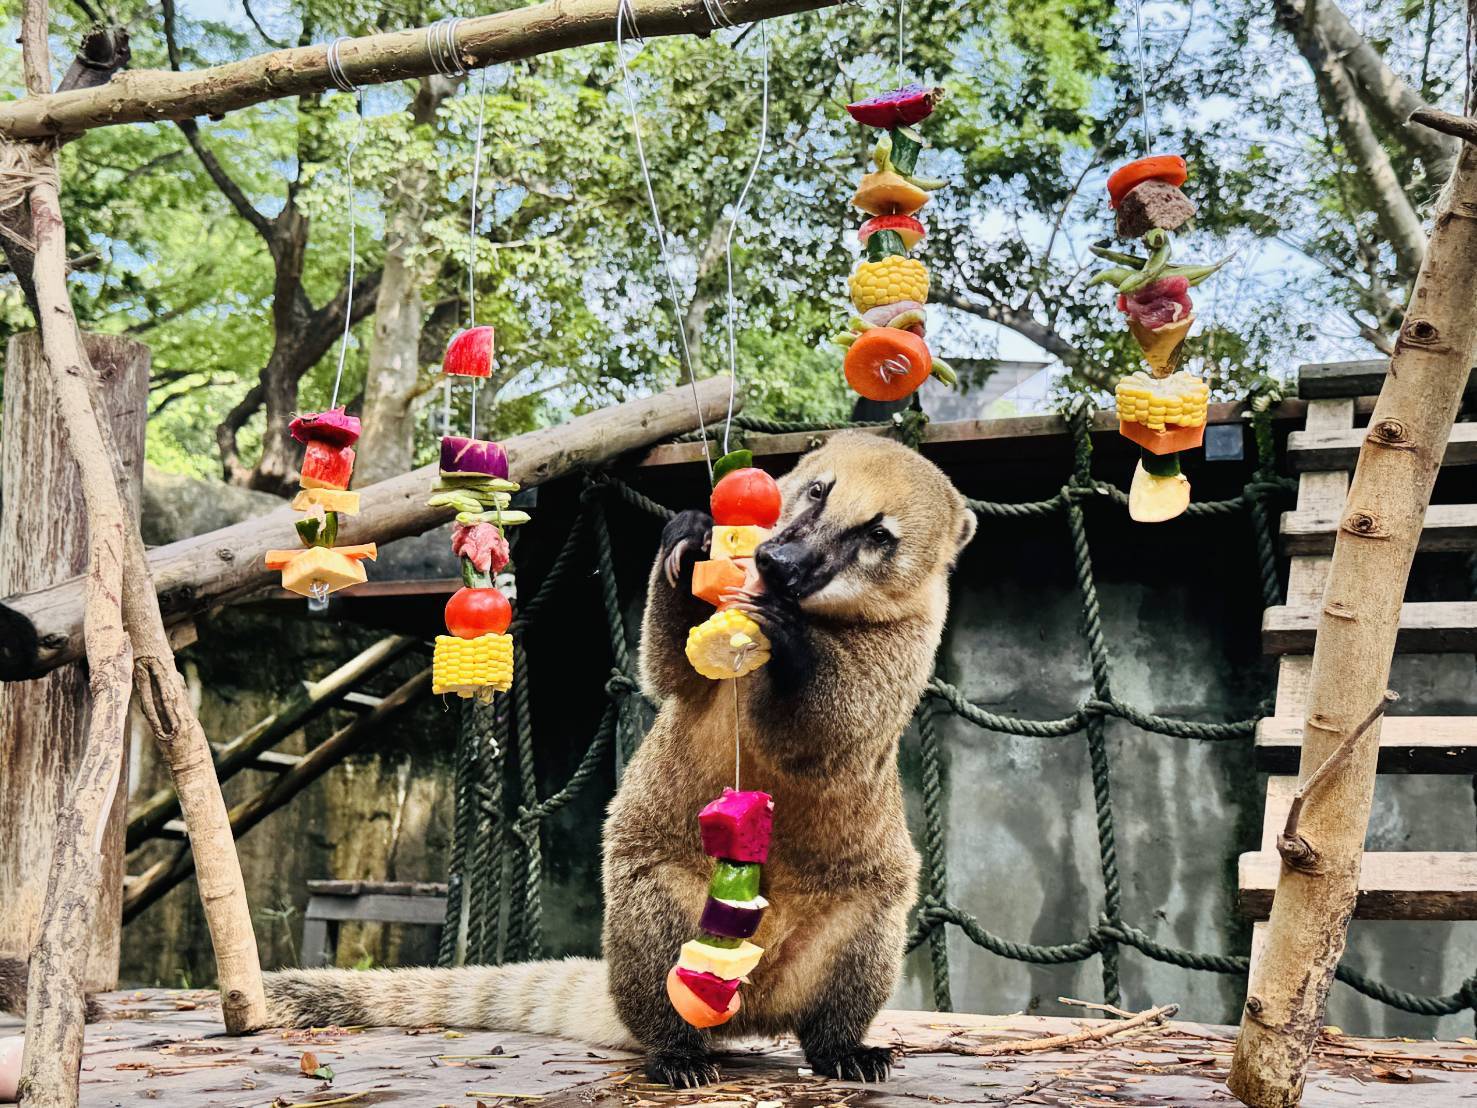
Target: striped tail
[{"x": 569, "y": 998}]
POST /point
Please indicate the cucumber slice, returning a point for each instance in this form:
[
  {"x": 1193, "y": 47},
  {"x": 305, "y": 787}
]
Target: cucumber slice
[
  {"x": 734, "y": 881},
  {"x": 1160, "y": 465},
  {"x": 906, "y": 144},
  {"x": 734, "y": 459},
  {"x": 719, "y": 941},
  {"x": 885, "y": 244}
]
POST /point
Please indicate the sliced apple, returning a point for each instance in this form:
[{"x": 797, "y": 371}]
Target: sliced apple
[{"x": 1157, "y": 499}]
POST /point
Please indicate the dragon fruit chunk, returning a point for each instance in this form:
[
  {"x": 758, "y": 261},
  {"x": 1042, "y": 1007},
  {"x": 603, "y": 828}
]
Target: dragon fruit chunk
[
  {"x": 1159, "y": 304},
  {"x": 335, "y": 427},
  {"x": 482, "y": 544},
  {"x": 711, "y": 989},
  {"x": 899, "y": 108},
  {"x": 464, "y": 457},
  {"x": 736, "y": 826}
]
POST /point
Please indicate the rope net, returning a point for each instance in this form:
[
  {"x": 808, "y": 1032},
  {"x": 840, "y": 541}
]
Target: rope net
[{"x": 494, "y": 912}]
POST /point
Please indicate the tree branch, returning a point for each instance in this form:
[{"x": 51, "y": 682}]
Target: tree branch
[
  {"x": 1022, "y": 323},
  {"x": 144, "y": 96}
]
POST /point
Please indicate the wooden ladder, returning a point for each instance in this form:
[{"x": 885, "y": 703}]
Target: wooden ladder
[{"x": 1408, "y": 885}]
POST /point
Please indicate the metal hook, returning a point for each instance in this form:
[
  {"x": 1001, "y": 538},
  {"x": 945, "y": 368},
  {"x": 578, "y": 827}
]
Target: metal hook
[
  {"x": 625, "y": 11},
  {"x": 716, "y": 15}
]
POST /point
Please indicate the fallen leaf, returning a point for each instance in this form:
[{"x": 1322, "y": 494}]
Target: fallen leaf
[
  {"x": 454, "y": 1035},
  {"x": 1391, "y": 1073}
]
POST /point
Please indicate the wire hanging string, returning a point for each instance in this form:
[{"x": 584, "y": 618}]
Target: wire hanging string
[
  {"x": 740, "y": 207},
  {"x": 901, "y": 43},
  {"x": 472, "y": 218},
  {"x": 625, "y": 14},
  {"x": 1138, "y": 24},
  {"x": 341, "y": 79}
]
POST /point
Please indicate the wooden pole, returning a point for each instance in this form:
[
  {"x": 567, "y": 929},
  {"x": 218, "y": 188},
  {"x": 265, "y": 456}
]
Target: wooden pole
[
  {"x": 145, "y": 95},
  {"x": 42, "y": 630},
  {"x": 1376, "y": 542},
  {"x": 52, "y": 1059},
  {"x": 43, "y": 540}
]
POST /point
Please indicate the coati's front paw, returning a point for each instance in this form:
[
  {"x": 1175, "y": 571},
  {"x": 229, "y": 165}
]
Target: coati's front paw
[
  {"x": 681, "y": 1071},
  {"x": 863, "y": 1063},
  {"x": 685, "y": 537}
]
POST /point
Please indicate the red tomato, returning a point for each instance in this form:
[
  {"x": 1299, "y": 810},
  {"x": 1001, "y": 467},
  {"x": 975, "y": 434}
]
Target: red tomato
[
  {"x": 471, "y": 613},
  {"x": 746, "y": 497}
]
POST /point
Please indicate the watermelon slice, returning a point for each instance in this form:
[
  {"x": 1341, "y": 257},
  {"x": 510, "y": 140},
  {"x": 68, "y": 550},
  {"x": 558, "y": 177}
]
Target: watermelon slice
[
  {"x": 898, "y": 108},
  {"x": 469, "y": 354},
  {"x": 910, "y": 230},
  {"x": 326, "y": 466}
]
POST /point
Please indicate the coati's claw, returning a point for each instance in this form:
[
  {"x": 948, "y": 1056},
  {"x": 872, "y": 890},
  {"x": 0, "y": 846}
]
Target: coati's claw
[
  {"x": 685, "y": 536},
  {"x": 865, "y": 1064},
  {"x": 681, "y": 1071},
  {"x": 672, "y": 563}
]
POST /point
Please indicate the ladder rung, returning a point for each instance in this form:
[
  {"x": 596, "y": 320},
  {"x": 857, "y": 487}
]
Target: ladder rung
[
  {"x": 174, "y": 829},
  {"x": 362, "y": 702},
  {"x": 1365, "y": 377},
  {"x": 1408, "y": 744},
  {"x": 1448, "y": 527},
  {"x": 1433, "y": 627},
  {"x": 1322, "y": 450},
  {"x": 1431, "y": 885}
]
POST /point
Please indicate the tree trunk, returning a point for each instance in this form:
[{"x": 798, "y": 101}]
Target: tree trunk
[
  {"x": 1376, "y": 542},
  {"x": 390, "y": 387},
  {"x": 43, "y": 540}
]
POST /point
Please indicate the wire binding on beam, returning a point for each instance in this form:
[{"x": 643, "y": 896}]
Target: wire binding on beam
[
  {"x": 336, "y": 67},
  {"x": 446, "y": 59}
]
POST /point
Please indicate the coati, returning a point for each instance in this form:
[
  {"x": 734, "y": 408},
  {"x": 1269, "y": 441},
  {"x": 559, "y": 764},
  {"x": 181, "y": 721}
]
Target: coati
[{"x": 855, "y": 596}]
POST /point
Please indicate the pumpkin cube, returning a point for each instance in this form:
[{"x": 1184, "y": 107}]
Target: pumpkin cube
[
  {"x": 322, "y": 566},
  {"x": 712, "y": 578}
]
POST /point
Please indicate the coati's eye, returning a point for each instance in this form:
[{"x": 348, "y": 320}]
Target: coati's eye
[
  {"x": 880, "y": 535},
  {"x": 817, "y": 490}
]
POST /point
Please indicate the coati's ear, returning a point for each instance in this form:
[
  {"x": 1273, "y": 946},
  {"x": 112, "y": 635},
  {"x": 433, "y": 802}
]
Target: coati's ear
[{"x": 967, "y": 523}]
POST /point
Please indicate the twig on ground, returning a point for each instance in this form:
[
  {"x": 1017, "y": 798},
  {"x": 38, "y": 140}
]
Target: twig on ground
[{"x": 1102, "y": 1032}]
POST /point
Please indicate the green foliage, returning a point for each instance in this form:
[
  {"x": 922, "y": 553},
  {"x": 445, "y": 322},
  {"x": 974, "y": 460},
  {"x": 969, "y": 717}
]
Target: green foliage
[{"x": 1042, "y": 101}]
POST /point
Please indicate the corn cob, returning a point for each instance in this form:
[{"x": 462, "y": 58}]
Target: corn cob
[
  {"x": 467, "y": 667},
  {"x": 888, "y": 281},
  {"x": 727, "y": 644},
  {"x": 1179, "y": 400}
]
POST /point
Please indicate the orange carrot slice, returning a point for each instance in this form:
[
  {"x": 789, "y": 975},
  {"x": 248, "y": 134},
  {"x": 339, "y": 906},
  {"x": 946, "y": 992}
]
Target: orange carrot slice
[
  {"x": 1169, "y": 168},
  {"x": 886, "y": 363}
]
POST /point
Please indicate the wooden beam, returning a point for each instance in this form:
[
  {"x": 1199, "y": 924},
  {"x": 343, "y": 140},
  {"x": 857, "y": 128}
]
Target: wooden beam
[
  {"x": 1448, "y": 527},
  {"x": 1012, "y": 428},
  {"x": 42, "y": 630},
  {"x": 1314, "y": 450},
  {"x": 1432, "y": 627},
  {"x": 1408, "y": 744},
  {"x": 147, "y": 95},
  {"x": 1425, "y": 885},
  {"x": 1324, "y": 380},
  {"x": 147, "y": 887},
  {"x": 243, "y": 752}
]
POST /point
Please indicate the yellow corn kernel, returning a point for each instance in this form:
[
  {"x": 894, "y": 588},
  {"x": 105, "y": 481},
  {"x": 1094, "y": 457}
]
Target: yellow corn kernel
[
  {"x": 472, "y": 667},
  {"x": 888, "y": 281},
  {"x": 1179, "y": 400},
  {"x": 727, "y": 644}
]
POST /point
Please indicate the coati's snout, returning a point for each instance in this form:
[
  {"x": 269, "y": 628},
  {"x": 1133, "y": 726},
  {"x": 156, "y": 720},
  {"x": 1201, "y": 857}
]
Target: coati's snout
[{"x": 868, "y": 531}]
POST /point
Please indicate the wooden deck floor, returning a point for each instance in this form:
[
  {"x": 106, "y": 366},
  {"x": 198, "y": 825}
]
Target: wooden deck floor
[{"x": 166, "y": 1047}]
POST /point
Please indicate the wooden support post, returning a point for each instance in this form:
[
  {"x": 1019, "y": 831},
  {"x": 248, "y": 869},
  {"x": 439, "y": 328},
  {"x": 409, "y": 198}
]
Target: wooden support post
[
  {"x": 1379, "y": 529},
  {"x": 43, "y": 540}
]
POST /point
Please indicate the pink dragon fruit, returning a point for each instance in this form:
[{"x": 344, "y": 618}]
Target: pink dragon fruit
[
  {"x": 899, "y": 108},
  {"x": 335, "y": 427},
  {"x": 736, "y": 826},
  {"x": 711, "y": 989},
  {"x": 482, "y": 544},
  {"x": 1159, "y": 304}
]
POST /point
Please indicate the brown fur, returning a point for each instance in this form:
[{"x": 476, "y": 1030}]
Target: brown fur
[{"x": 842, "y": 873}]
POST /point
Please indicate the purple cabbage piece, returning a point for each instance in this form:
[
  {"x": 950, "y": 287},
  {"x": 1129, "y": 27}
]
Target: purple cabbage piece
[
  {"x": 729, "y": 921},
  {"x": 463, "y": 457}
]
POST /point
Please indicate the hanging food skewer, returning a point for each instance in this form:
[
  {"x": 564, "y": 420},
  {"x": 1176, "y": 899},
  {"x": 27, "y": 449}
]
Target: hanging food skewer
[
  {"x": 319, "y": 567},
  {"x": 886, "y": 355},
  {"x": 476, "y": 658},
  {"x": 1163, "y": 410}
]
